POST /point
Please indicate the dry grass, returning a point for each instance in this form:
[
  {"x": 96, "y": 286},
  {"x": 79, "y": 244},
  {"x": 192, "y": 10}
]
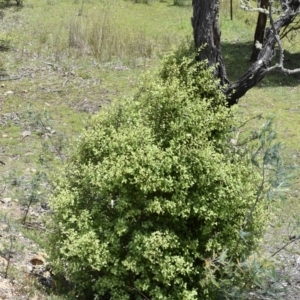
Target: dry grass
[{"x": 103, "y": 39}]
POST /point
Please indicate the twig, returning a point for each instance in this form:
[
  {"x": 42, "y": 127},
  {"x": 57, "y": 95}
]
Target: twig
[
  {"x": 3, "y": 190},
  {"x": 133, "y": 288},
  {"x": 8, "y": 258},
  {"x": 259, "y": 116},
  {"x": 7, "y": 78},
  {"x": 14, "y": 77},
  {"x": 34, "y": 226},
  {"x": 279, "y": 66},
  {"x": 64, "y": 83},
  {"x": 285, "y": 245}
]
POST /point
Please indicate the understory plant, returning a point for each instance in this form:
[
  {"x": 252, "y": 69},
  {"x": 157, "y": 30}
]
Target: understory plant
[{"x": 155, "y": 188}]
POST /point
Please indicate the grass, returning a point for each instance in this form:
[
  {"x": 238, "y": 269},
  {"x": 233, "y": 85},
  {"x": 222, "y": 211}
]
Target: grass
[
  {"x": 73, "y": 57},
  {"x": 278, "y": 95}
]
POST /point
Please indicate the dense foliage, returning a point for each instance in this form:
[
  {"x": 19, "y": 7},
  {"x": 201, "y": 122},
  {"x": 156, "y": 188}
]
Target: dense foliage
[{"x": 153, "y": 189}]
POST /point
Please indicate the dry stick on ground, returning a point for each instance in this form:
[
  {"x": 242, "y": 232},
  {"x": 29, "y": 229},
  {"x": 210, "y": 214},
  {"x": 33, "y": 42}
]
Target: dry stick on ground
[
  {"x": 285, "y": 245},
  {"x": 8, "y": 256},
  {"x": 3, "y": 190},
  {"x": 8, "y": 77}
]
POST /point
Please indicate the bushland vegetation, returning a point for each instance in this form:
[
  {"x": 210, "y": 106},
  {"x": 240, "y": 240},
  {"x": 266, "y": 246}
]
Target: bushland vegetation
[{"x": 129, "y": 181}]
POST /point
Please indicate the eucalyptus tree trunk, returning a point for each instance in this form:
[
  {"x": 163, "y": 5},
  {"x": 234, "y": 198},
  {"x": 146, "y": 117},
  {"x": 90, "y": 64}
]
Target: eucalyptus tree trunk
[
  {"x": 260, "y": 30},
  {"x": 207, "y": 35}
]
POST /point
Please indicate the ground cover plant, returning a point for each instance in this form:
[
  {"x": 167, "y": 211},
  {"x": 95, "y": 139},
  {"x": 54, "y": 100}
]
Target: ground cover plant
[{"x": 52, "y": 80}]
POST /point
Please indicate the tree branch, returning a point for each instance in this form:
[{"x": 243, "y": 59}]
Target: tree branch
[{"x": 259, "y": 68}]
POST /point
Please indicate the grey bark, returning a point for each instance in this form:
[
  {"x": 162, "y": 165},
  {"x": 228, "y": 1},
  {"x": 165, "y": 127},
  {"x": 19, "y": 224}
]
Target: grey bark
[
  {"x": 206, "y": 31},
  {"x": 260, "y": 67},
  {"x": 205, "y": 22}
]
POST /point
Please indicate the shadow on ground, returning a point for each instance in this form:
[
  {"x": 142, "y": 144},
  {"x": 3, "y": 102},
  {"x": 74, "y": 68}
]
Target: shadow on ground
[
  {"x": 4, "y": 45},
  {"x": 9, "y": 3},
  {"x": 237, "y": 55}
]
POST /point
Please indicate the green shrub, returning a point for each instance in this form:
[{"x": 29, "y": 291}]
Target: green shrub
[{"x": 153, "y": 190}]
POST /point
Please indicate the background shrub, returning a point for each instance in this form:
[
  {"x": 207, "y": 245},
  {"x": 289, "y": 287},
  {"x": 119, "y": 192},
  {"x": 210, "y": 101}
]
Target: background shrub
[{"x": 153, "y": 189}]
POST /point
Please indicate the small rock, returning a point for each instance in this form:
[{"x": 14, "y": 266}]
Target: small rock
[
  {"x": 34, "y": 213},
  {"x": 26, "y": 133},
  {"x": 28, "y": 268},
  {"x": 6, "y": 200},
  {"x": 3, "y": 227},
  {"x": 45, "y": 206},
  {"x": 8, "y": 93},
  {"x": 37, "y": 260}
]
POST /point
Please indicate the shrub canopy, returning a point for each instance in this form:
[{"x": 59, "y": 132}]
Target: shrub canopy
[{"x": 154, "y": 187}]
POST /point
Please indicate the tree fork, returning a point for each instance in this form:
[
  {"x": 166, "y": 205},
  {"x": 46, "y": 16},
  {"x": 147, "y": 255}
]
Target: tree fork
[
  {"x": 205, "y": 22},
  {"x": 261, "y": 66}
]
